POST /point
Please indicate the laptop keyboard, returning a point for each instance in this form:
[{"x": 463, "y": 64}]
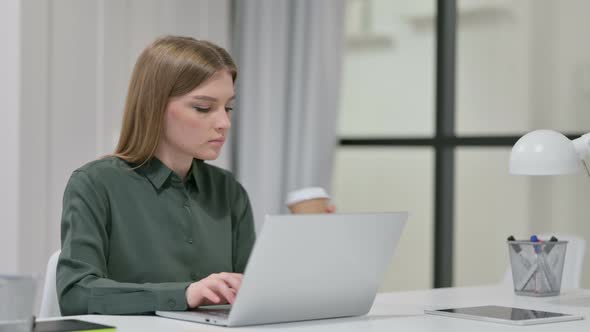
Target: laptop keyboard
[{"x": 216, "y": 312}]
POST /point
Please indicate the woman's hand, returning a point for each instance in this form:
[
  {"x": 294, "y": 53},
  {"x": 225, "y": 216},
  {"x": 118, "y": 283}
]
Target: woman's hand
[
  {"x": 330, "y": 208},
  {"x": 217, "y": 288}
]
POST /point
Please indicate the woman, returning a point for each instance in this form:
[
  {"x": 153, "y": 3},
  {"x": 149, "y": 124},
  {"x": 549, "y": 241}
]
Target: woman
[{"x": 153, "y": 227}]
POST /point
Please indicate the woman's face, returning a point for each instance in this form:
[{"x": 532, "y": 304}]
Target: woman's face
[{"x": 196, "y": 124}]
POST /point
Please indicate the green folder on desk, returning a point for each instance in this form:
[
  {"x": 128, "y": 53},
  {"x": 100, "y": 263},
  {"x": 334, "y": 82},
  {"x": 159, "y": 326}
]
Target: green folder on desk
[{"x": 71, "y": 325}]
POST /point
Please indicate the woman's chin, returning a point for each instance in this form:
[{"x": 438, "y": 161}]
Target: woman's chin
[{"x": 208, "y": 155}]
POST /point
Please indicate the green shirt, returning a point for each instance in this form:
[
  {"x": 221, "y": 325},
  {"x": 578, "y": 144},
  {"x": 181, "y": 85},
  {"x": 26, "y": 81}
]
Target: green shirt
[{"x": 133, "y": 239}]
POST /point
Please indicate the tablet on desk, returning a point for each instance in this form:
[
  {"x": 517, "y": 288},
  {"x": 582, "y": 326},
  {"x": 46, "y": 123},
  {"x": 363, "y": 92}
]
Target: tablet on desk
[
  {"x": 71, "y": 325},
  {"x": 505, "y": 315}
]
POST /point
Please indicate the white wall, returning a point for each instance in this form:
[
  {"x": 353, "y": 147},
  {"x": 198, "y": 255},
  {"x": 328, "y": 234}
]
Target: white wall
[
  {"x": 9, "y": 133},
  {"x": 490, "y": 205},
  {"x": 385, "y": 180},
  {"x": 493, "y": 71},
  {"x": 388, "y": 89},
  {"x": 74, "y": 65}
]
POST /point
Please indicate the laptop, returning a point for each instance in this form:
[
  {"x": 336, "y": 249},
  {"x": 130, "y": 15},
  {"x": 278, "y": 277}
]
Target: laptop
[{"x": 309, "y": 266}]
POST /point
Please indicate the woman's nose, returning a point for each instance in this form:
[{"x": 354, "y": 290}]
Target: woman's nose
[{"x": 223, "y": 119}]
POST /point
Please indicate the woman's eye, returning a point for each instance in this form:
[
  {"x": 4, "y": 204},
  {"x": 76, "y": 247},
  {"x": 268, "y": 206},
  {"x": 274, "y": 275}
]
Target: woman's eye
[
  {"x": 229, "y": 109},
  {"x": 202, "y": 109}
]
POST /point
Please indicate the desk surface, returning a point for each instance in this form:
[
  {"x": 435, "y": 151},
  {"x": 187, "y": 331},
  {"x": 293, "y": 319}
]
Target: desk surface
[{"x": 403, "y": 311}]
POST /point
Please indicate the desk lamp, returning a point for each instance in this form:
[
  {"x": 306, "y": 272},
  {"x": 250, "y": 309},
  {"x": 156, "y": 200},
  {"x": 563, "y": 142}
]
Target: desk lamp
[{"x": 547, "y": 152}]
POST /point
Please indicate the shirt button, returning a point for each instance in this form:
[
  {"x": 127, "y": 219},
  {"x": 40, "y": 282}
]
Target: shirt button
[
  {"x": 171, "y": 303},
  {"x": 194, "y": 276},
  {"x": 189, "y": 240}
]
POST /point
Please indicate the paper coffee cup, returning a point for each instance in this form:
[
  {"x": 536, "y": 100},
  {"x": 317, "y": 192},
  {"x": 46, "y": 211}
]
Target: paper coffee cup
[{"x": 308, "y": 200}]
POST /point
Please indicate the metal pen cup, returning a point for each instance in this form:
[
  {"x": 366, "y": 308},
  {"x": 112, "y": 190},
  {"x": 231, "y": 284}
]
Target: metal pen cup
[
  {"x": 537, "y": 267},
  {"x": 17, "y": 294}
]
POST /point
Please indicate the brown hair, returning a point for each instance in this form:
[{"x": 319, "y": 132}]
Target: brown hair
[{"x": 171, "y": 66}]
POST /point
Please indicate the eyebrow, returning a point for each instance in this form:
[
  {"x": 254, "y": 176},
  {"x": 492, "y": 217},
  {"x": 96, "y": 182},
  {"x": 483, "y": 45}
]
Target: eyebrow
[{"x": 207, "y": 98}]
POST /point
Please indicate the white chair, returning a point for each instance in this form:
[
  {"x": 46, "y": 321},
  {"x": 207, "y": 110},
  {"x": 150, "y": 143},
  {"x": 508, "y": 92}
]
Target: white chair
[
  {"x": 573, "y": 265},
  {"x": 49, "y": 303}
]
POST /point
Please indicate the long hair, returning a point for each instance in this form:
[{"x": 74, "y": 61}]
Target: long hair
[{"x": 171, "y": 66}]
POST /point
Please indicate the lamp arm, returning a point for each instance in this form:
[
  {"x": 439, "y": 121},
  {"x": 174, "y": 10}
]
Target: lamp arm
[{"x": 582, "y": 146}]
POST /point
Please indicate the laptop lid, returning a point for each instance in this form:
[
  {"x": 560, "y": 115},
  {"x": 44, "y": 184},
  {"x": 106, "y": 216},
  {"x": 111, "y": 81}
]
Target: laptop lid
[{"x": 307, "y": 267}]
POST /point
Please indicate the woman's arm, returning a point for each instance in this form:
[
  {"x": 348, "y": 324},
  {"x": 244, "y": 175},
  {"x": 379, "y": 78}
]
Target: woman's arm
[
  {"x": 244, "y": 234},
  {"x": 83, "y": 282}
]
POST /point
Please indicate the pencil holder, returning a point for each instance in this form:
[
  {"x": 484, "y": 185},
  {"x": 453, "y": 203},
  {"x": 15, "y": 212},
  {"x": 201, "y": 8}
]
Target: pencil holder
[
  {"x": 537, "y": 267},
  {"x": 17, "y": 293}
]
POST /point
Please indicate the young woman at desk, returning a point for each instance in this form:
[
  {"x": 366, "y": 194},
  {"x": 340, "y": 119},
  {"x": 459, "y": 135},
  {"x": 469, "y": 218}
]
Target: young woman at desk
[{"x": 153, "y": 227}]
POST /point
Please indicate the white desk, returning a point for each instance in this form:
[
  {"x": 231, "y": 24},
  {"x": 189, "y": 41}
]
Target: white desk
[{"x": 402, "y": 311}]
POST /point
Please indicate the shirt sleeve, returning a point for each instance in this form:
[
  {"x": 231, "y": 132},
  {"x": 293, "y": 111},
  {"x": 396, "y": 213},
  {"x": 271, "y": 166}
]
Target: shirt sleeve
[
  {"x": 83, "y": 283},
  {"x": 244, "y": 234}
]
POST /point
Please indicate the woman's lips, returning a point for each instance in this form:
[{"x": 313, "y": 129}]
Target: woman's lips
[{"x": 218, "y": 141}]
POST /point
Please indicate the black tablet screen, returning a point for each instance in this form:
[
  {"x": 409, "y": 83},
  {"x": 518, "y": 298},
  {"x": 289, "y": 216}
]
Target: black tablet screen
[{"x": 504, "y": 312}]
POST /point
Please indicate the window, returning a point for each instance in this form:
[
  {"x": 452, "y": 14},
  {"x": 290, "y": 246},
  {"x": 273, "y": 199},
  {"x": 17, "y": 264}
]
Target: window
[
  {"x": 431, "y": 106},
  {"x": 388, "y": 93}
]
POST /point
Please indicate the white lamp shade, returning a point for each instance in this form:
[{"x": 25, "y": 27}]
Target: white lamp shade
[{"x": 544, "y": 152}]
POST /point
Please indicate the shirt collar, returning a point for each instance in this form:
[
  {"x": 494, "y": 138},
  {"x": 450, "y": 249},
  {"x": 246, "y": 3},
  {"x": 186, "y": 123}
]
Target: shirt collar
[{"x": 157, "y": 172}]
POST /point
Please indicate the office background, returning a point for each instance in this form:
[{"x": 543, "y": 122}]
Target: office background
[{"x": 520, "y": 65}]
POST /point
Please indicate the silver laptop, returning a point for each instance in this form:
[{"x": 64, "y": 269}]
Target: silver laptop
[{"x": 306, "y": 267}]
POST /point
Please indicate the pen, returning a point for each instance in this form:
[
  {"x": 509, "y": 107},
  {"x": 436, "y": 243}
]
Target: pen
[
  {"x": 541, "y": 261},
  {"x": 537, "y": 247},
  {"x": 524, "y": 261},
  {"x": 550, "y": 246}
]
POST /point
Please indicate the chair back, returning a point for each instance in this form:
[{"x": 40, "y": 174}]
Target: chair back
[{"x": 49, "y": 303}]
